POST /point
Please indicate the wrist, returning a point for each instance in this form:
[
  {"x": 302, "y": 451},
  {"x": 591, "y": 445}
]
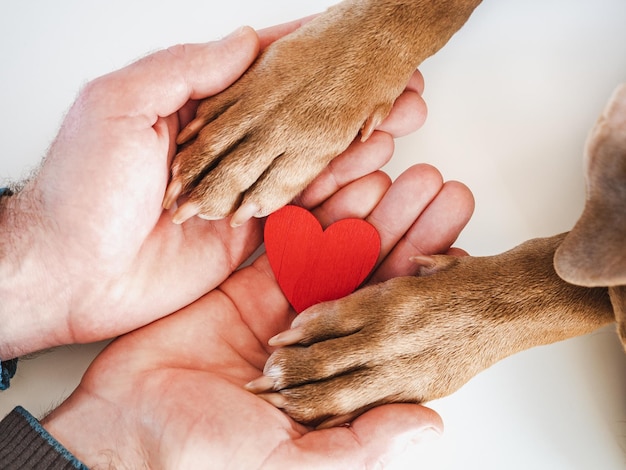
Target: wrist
[
  {"x": 31, "y": 310},
  {"x": 90, "y": 430}
]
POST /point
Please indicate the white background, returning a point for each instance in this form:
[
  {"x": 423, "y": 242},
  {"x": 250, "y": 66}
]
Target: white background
[{"x": 511, "y": 99}]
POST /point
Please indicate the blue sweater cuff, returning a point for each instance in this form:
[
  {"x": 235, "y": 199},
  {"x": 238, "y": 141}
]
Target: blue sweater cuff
[
  {"x": 7, "y": 371},
  {"x": 25, "y": 444}
]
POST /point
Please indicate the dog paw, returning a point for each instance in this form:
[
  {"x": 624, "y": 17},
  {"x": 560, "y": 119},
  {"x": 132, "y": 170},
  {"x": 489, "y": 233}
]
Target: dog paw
[
  {"x": 252, "y": 148},
  {"x": 399, "y": 341}
]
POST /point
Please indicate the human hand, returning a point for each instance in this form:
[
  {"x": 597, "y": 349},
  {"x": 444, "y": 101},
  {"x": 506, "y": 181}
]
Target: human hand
[
  {"x": 87, "y": 252},
  {"x": 174, "y": 389}
]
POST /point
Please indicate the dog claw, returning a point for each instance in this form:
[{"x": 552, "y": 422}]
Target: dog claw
[
  {"x": 243, "y": 214},
  {"x": 287, "y": 338},
  {"x": 260, "y": 385},
  {"x": 432, "y": 264},
  {"x": 373, "y": 121},
  {"x": 342, "y": 420},
  {"x": 191, "y": 130},
  {"x": 275, "y": 399},
  {"x": 368, "y": 129},
  {"x": 185, "y": 212},
  {"x": 172, "y": 193}
]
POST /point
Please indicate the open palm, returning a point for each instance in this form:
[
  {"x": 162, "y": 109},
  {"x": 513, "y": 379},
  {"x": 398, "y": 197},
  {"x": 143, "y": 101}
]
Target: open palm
[{"x": 170, "y": 395}]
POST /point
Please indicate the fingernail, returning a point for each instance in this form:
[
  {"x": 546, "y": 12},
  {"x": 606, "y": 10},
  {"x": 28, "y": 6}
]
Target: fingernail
[
  {"x": 408, "y": 442},
  {"x": 405, "y": 448},
  {"x": 238, "y": 32},
  {"x": 425, "y": 435}
]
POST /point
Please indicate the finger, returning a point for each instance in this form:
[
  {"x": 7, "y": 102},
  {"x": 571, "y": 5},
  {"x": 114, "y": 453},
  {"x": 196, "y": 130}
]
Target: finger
[
  {"x": 260, "y": 302},
  {"x": 416, "y": 83},
  {"x": 356, "y": 200},
  {"x": 395, "y": 428},
  {"x": 407, "y": 115},
  {"x": 161, "y": 83},
  {"x": 360, "y": 159},
  {"x": 409, "y": 110},
  {"x": 454, "y": 251},
  {"x": 373, "y": 440},
  {"x": 271, "y": 34},
  {"x": 187, "y": 113},
  {"x": 407, "y": 198},
  {"x": 434, "y": 231}
]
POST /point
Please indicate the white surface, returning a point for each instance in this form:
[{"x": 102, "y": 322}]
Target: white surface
[{"x": 511, "y": 100}]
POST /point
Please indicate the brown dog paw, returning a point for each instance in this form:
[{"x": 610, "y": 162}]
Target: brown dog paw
[
  {"x": 380, "y": 345},
  {"x": 256, "y": 145}
]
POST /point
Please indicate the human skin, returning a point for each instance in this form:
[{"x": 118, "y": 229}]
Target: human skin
[
  {"x": 86, "y": 250},
  {"x": 171, "y": 395}
]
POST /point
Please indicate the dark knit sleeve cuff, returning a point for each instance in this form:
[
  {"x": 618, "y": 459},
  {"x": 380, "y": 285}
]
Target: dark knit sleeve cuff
[
  {"x": 25, "y": 444},
  {"x": 7, "y": 371}
]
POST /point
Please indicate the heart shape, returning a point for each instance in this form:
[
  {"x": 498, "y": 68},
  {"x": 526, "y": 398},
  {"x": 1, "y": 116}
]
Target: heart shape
[{"x": 313, "y": 265}]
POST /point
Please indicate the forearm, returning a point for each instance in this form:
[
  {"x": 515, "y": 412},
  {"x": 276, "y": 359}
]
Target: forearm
[{"x": 32, "y": 299}]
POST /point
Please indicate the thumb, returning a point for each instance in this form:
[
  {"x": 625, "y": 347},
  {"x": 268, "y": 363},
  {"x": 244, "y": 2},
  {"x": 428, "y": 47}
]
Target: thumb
[
  {"x": 161, "y": 83},
  {"x": 386, "y": 432},
  {"x": 372, "y": 441}
]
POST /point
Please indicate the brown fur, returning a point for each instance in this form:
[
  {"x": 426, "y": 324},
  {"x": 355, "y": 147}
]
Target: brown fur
[
  {"x": 415, "y": 338},
  {"x": 304, "y": 101}
]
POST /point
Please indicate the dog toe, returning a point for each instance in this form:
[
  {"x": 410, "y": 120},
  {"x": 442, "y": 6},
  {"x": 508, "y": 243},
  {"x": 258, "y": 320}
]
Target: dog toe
[{"x": 337, "y": 399}]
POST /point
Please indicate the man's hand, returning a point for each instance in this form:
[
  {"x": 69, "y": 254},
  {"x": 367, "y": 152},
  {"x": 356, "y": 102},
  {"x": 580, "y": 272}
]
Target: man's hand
[
  {"x": 87, "y": 251},
  {"x": 171, "y": 395}
]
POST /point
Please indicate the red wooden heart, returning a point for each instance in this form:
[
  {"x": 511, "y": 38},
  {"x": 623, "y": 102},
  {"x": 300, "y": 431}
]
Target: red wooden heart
[{"x": 312, "y": 265}]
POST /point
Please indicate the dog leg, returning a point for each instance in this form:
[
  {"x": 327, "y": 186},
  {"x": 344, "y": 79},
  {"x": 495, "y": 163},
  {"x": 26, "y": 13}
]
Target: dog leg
[
  {"x": 256, "y": 145},
  {"x": 414, "y": 339}
]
